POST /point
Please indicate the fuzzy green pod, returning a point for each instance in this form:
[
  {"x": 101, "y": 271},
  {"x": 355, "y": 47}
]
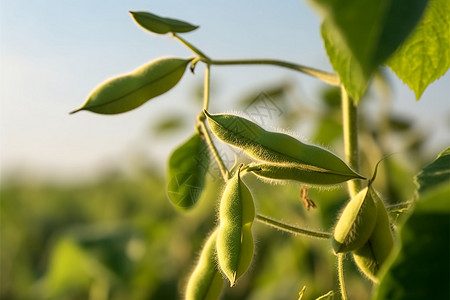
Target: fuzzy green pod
[
  {"x": 374, "y": 253},
  {"x": 278, "y": 147},
  {"x": 206, "y": 282},
  {"x": 356, "y": 223},
  {"x": 299, "y": 172},
  {"x": 126, "y": 92},
  {"x": 235, "y": 241},
  {"x": 160, "y": 25}
]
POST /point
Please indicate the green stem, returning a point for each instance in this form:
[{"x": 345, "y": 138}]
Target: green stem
[
  {"x": 192, "y": 47},
  {"x": 399, "y": 206},
  {"x": 222, "y": 167},
  {"x": 350, "y": 129},
  {"x": 326, "y": 77},
  {"x": 341, "y": 276},
  {"x": 291, "y": 229},
  {"x": 206, "y": 87}
]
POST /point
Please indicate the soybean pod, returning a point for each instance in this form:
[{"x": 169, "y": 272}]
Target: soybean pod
[
  {"x": 206, "y": 281},
  {"x": 126, "y": 92},
  {"x": 303, "y": 173},
  {"x": 303, "y": 161},
  {"x": 374, "y": 253},
  {"x": 356, "y": 223},
  {"x": 160, "y": 25},
  {"x": 235, "y": 241}
]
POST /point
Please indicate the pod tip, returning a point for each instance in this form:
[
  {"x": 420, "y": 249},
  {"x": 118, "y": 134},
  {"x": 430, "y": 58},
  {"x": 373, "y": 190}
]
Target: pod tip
[{"x": 75, "y": 111}]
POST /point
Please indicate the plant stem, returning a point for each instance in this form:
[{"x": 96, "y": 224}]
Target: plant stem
[
  {"x": 399, "y": 206},
  {"x": 340, "y": 259},
  {"x": 291, "y": 229},
  {"x": 206, "y": 87},
  {"x": 326, "y": 77},
  {"x": 192, "y": 47},
  {"x": 222, "y": 167},
  {"x": 350, "y": 129}
]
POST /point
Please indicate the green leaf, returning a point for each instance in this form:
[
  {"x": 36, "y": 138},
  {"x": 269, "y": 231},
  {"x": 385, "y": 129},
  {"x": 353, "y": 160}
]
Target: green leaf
[
  {"x": 344, "y": 63},
  {"x": 425, "y": 55},
  {"x": 436, "y": 173},
  {"x": 331, "y": 97},
  {"x": 186, "y": 174},
  {"x": 399, "y": 123},
  {"x": 72, "y": 268},
  {"x": 169, "y": 124},
  {"x": 366, "y": 33},
  {"x": 419, "y": 270},
  {"x": 160, "y": 25},
  {"x": 329, "y": 129},
  {"x": 289, "y": 158},
  {"x": 62, "y": 275},
  {"x": 126, "y": 92}
]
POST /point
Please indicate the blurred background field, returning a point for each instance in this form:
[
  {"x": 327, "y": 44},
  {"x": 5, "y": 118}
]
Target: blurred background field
[
  {"x": 84, "y": 212},
  {"x": 118, "y": 237}
]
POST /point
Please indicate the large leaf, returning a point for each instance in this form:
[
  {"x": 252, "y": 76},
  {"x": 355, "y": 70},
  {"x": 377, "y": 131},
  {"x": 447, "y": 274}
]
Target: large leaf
[
  {"x": 369, "y": 31},
  {"x": 425, "y": 56},
  {"x": 71, "y": 268},
  {"x": 160, "y": 25},
  {"x": 126, "y": 92},
  {"x": 344, "y": 63},
  {"x": 187, "y": 169},
  {"x": 419, "y": 270}
]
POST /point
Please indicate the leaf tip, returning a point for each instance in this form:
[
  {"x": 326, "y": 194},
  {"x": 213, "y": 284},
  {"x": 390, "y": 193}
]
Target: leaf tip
[{"x": 418, "y": 95}]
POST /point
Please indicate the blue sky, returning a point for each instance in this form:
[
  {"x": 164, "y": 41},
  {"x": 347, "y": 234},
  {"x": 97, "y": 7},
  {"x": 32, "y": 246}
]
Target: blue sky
[{"x": 53, "y": 53}]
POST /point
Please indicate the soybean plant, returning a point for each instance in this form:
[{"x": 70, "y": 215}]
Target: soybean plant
[{"x": 362, "y": 229}]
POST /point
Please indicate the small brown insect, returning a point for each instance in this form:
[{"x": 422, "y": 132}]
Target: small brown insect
[{"x": 304, "y": 197}]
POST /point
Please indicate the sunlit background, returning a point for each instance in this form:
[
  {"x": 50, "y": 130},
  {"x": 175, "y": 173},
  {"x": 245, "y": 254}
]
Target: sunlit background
[
  {"x": 69, "y": 190},
  {"x": 54, "y": 53}
]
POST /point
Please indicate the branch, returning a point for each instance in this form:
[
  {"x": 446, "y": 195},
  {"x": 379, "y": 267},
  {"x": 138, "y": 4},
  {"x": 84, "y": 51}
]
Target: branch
[{"x": 291, "y": 229}]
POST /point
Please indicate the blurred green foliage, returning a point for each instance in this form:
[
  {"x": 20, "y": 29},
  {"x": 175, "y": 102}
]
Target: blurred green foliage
[{"x": 119, "y": 237}]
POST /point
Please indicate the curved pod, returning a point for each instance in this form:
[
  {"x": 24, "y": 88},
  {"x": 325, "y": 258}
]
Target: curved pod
[
  {"x": 299, "y": 172},
  {"x": 206, "y": 282},
  {"x": 160, "y": 25},
  {"x": 126, "y": 92},
  {"x": 374, "y": 253},
  {"x": 276, "y": 147},
  {"x": 356, "y": 223}
]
